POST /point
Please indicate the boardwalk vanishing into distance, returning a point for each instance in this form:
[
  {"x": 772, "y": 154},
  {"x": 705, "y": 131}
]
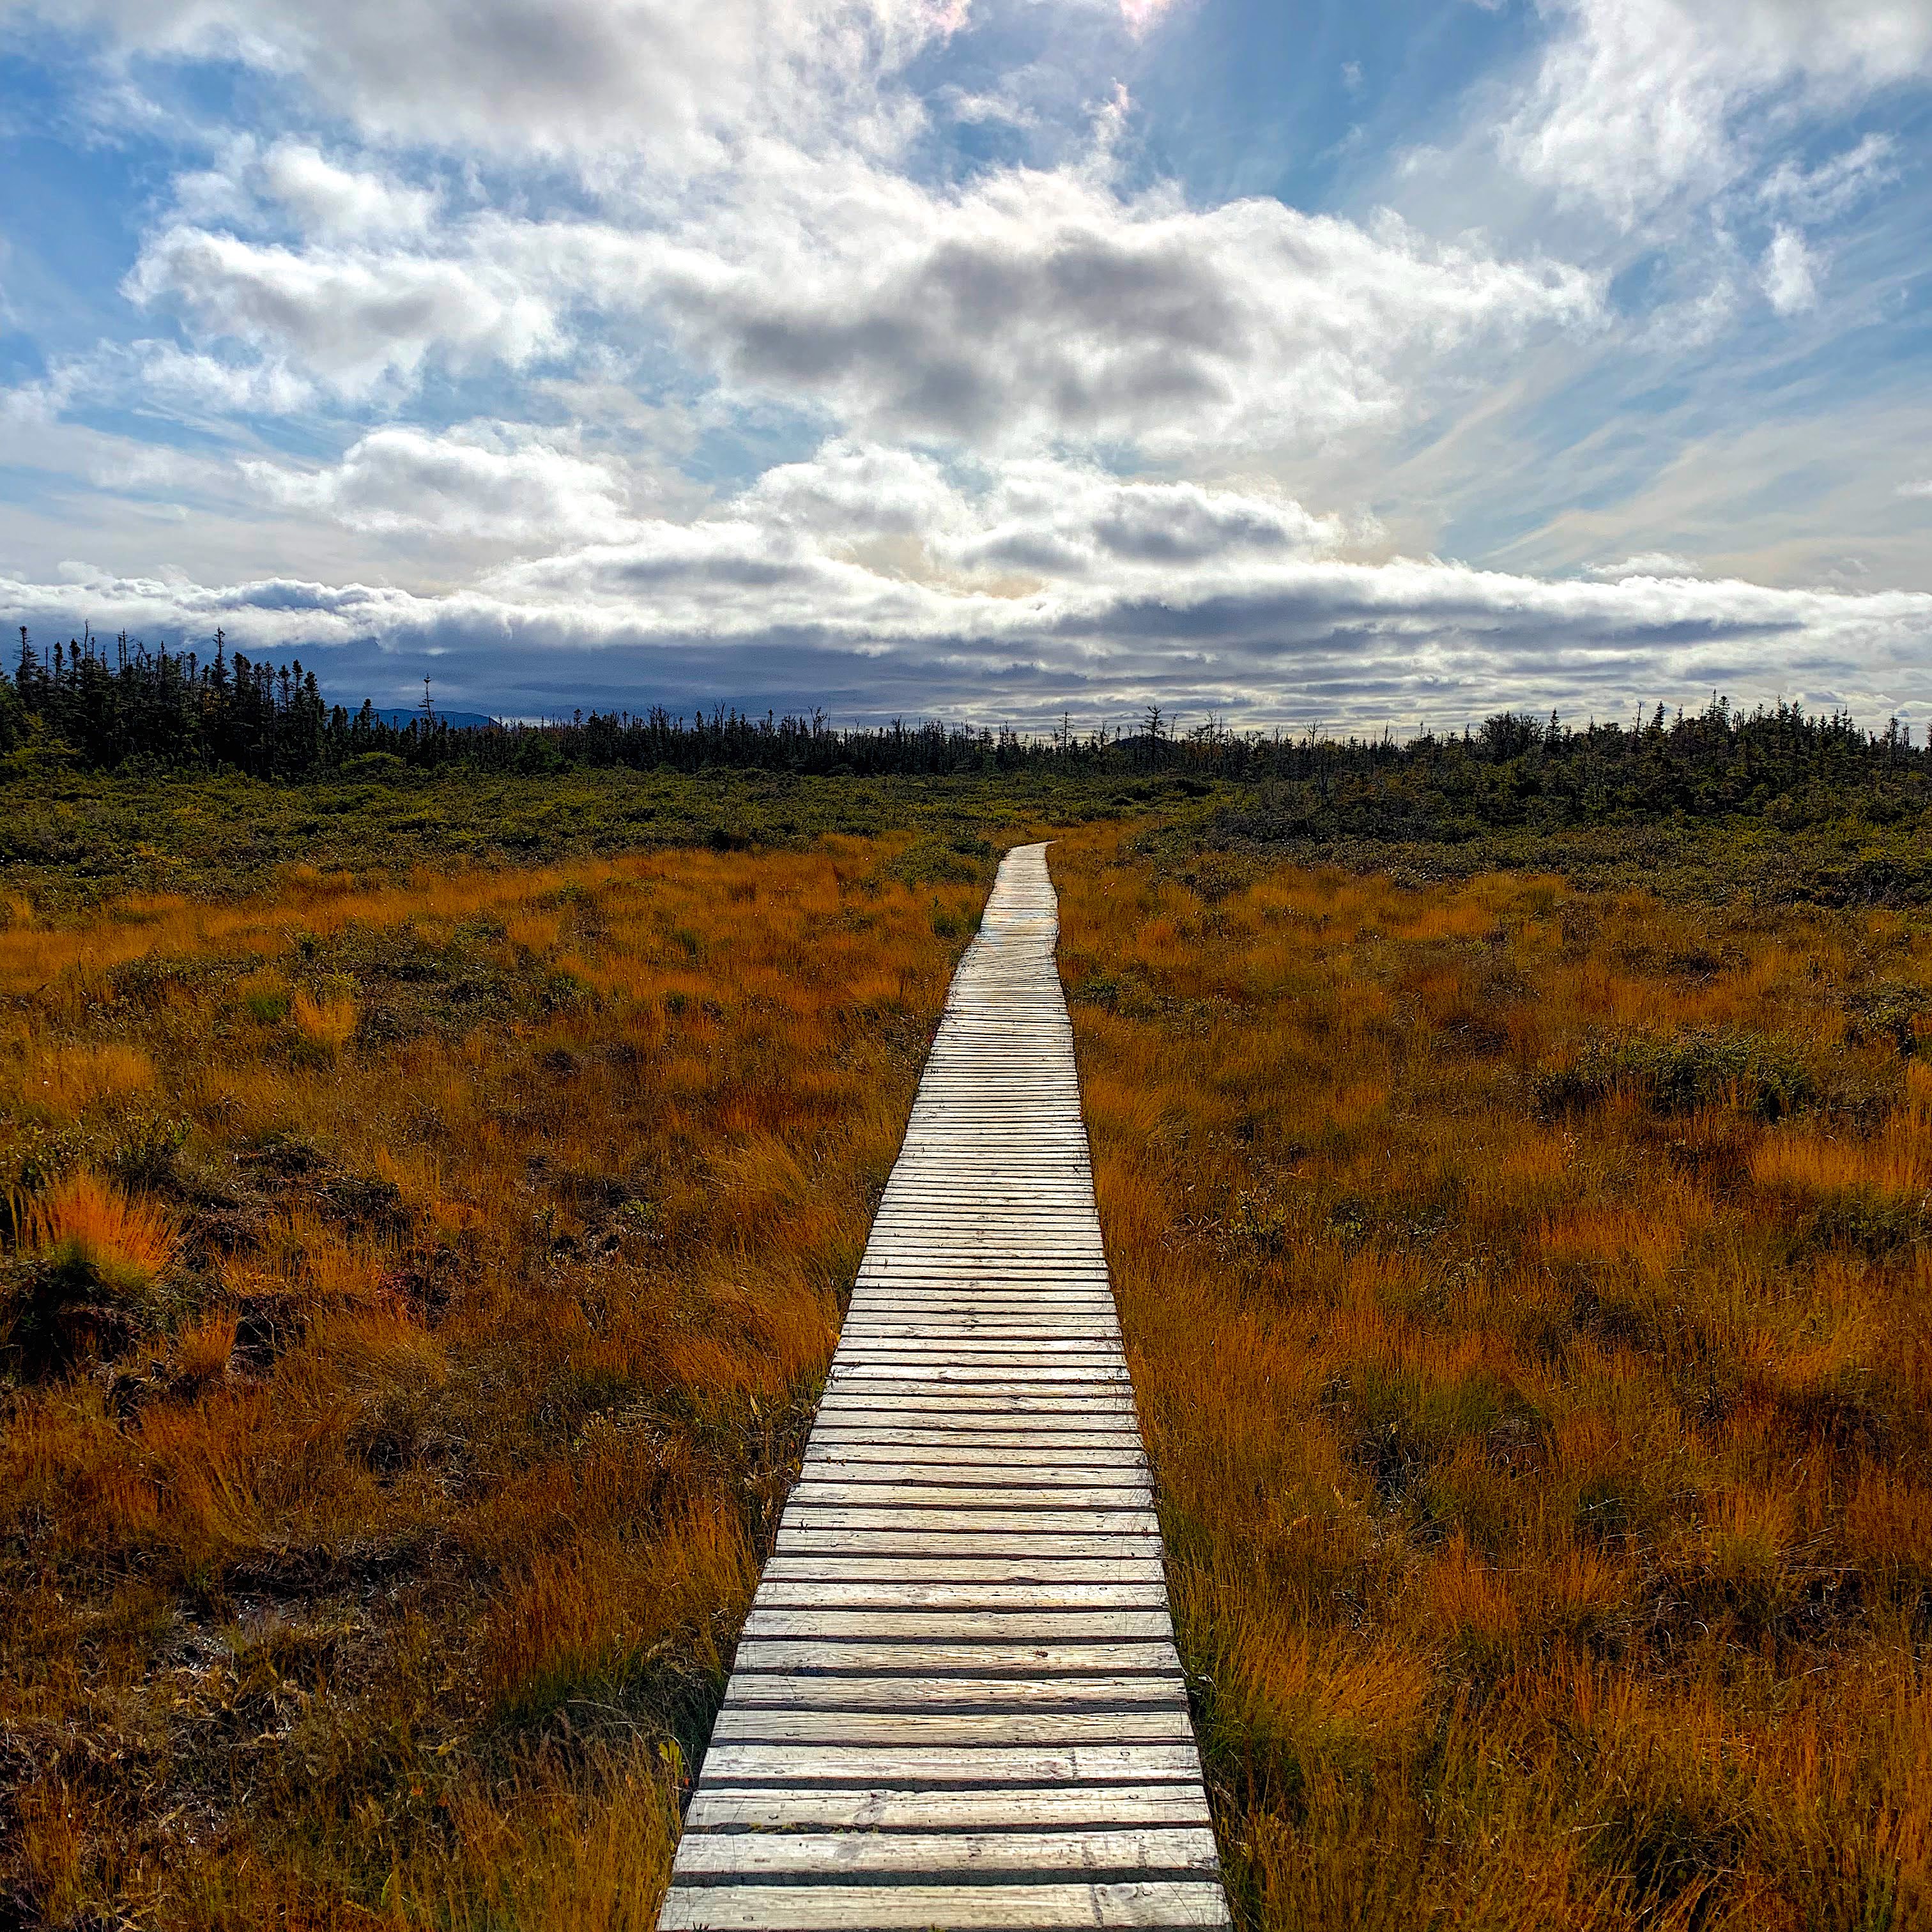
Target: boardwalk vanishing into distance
[{"x": 957, "y": 1702}]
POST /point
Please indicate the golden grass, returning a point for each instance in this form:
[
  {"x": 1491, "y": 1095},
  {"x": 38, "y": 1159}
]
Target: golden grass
[
  {"x": 64, "y": 1077},
  {"x": 83, "y": 1221},
  {"x": 1529, "y": 1304},
  {"x": 483, "y": 1244},
  {"x": 329, "y": 1021}
]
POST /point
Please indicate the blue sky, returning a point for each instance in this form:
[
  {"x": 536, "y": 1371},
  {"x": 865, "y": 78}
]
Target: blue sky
[{"x": 1308, "y": 364}]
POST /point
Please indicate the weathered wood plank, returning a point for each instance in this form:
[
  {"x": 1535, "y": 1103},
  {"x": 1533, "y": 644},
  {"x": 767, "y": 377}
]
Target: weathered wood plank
[
  {"x": 953, "y": 1764},
  {"x": 976, "y": 1595},
  {"x": 933, "y": 1657},
  {"x": 1044, "y": 1568},
  {"x": 987, "y": 1522},
  {"x": 801, "y": 1538},
  {"x": 948, "y": 1469},
  {"x": 1050, "y": 1808},
  {"x": 920, "y": 1855},
  {"x": 802, "y": 1692},
  {"x": 920, "y": 1908},
  {"x": 899, "y": 1729},
  {"x": 914, "y": 1395},
  {"x": 1116, "y": 1453},
  {"x": 962, "y": 1626},
  {"x": 958, "y": 1490}
]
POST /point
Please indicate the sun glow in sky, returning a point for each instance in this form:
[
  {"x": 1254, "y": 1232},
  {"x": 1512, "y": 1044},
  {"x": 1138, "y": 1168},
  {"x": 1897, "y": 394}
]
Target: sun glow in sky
[{"x": 1309, "y": 363}]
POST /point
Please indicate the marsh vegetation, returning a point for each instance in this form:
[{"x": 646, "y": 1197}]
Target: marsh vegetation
[
  {"x": 430, "y": 1195},
  {"x": 1528, "y": 1296},
  {"x": 415, "y": 1301}
]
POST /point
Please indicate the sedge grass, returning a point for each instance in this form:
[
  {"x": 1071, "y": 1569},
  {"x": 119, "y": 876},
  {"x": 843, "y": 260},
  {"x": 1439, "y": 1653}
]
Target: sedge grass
[
  {"x": 480, "y": 1241},
  {"x": 1526, "y": 1294}
]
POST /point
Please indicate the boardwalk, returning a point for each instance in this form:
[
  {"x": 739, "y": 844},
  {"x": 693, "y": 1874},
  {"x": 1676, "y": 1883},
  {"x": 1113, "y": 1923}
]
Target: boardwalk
[{"x": 957, "y": 1702}]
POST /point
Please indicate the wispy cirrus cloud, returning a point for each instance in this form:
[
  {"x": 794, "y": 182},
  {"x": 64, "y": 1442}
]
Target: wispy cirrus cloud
[{"x": 1635, "y": 101}]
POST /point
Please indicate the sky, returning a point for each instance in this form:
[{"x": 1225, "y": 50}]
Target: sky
[{"x": 1339, "y": 366}]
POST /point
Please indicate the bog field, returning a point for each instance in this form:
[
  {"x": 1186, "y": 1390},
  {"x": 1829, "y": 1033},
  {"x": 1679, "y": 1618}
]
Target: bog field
[{"x": 423, "y": 1256}]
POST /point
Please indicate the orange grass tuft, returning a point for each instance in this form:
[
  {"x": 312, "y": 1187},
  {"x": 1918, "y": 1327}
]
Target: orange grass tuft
[
  {"x": 202, "y": 1354},
  {"x": 329, "y": 1022},
  {"x": 84, "y": 1221}
]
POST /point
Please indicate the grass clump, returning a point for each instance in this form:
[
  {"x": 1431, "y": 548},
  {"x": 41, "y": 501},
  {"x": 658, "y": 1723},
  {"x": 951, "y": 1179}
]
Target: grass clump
[
  {"x": 87, "y": 1228},
  {"x": 1682, "y": 1073},
  {"x": 88, "y": 1259}
]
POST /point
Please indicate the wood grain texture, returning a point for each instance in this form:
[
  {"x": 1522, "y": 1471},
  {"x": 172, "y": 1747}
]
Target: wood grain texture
[{"x": 956, "y": 1702}]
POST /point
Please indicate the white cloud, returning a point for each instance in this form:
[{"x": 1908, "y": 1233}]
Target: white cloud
[
  {"x": 1030, "y": 307},
  {"x": 151, "y": 375},
  {"x": 881, "y": 579},
  {"x": 678, "y": 79},
  {"x": 344, "y": 203},
  {"x": 1921, "y": 489},
  {"x": 1021, "y": 524},
  {"x": 355, "y": 320},
  {"x": 1693, "y": 323},
  {"x": 1142, "y": 16},
  {"x": 1034, "y": 307},
  {"x": 853, "y": 492},
  {"x": 1026, "y": 308},
  {"x": 489, "y": 480},
  {"x": 1635, "y": 100},
  {"x": 975, "y": 108},
  {"x": 1658, "y": 563},
  {"x": 1835, "y": 186},
  {"x": 735, "y": 234},
  {"x": 697, "y": 608},
  {"x": 1790, "y": 273}
]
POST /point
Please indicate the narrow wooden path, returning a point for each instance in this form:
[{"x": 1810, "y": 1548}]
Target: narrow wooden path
[{"x": 957, "y": 1702}]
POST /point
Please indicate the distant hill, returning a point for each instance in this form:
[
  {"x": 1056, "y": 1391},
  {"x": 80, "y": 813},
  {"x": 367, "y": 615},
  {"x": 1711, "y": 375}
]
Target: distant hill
[{"x": 412, "y": 715}]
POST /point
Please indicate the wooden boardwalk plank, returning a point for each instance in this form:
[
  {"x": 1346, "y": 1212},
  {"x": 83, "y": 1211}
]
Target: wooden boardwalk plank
[
  {"x": 1170, "y": 1848},
  {"x": 930, "y": 1659},
  {"x": 956, "y": 1702},
  {"x": 719, "y": 1807},
  {"x": 923, "y": 1908},
  {"x": 826, "y": 1690}
]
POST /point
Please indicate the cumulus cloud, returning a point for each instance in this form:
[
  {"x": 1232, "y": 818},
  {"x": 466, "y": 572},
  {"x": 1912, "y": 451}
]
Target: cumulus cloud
[
  {"x": 1033, "y": 383},
  {"x": 1635, "y": 100},
  {"x": 1658, "y": 563},
  {"x": 676, "y": 78},
  {"x": 1016, "y": 525},
  {"x": 1030, "y": 307},
  {"x": 1025, "y": 308},
  {"x": 324, "y": 199},
  {"x": 353, "y": 318},
  {"x": 490, "y": 480},
  {"x": 880, "y": 579},
  {"x": 1038, "y": 306}
]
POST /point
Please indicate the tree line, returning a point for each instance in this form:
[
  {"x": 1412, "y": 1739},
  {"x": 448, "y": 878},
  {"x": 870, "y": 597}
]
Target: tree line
[{"x": 125, "y": 705}]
